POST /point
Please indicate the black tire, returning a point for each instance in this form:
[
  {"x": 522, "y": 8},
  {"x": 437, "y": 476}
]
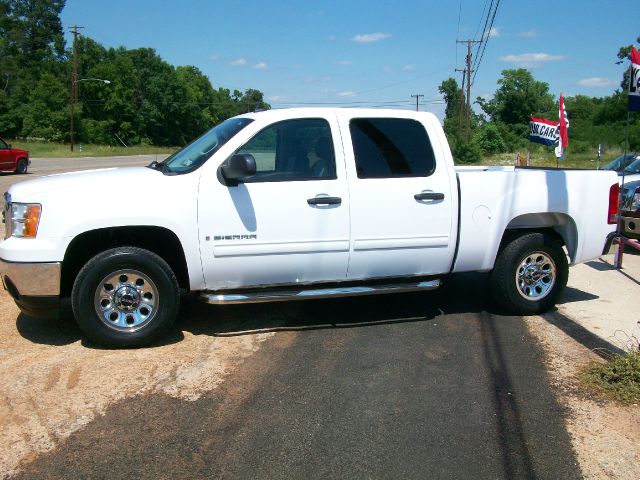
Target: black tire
[
  {"x": 529, "y": 275},
  {"x": 125, "y": 297},
  {"x": 22, "y": 166}
]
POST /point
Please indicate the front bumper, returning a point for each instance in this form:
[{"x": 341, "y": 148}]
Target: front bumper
[{"x": 35, "y": 287}]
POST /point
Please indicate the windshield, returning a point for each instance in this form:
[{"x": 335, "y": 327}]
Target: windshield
[
  {"x": 621, "y": 162},
  {"x": 633, "y": 168},
  {"x": 201, "y": 149}
]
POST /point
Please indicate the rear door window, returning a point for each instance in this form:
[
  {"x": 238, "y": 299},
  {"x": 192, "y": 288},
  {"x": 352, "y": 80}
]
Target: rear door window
[{"x": 391, "y": 147}]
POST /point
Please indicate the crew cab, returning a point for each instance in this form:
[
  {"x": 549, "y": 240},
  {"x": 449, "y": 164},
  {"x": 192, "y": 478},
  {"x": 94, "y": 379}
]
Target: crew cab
[
  {"x": 13, "y": 159},
  {"x": 295, "y": 204}
]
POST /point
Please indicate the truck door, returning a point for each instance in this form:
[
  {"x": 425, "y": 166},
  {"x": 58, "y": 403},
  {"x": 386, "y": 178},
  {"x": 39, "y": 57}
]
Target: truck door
[
  {"x": 6, "y": 160},
  {"x": 401, "y": 200},
  {"x": 289, "y": 223}
]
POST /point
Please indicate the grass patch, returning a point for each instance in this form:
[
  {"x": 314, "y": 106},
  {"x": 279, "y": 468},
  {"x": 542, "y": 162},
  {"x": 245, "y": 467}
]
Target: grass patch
[
  {"x": 541, "y": 157},
  {"x": 618, "y": 378},
  {"x": 58, "y": 150}
]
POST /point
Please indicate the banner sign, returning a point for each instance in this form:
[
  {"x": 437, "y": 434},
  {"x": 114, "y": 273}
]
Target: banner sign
[
  {"x": 543, "y": 131},
  {"x": 634, "y": 81}
]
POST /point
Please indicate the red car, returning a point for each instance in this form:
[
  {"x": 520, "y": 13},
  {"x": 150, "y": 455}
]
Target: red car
[{"x": 13, "y": 159}]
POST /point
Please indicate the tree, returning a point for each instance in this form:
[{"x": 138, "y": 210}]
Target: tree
[
  {"x": 518, "y": 97},
  {"x": 31, "y": 45},
  {"x": 454, "y": 99},
  {"x": 623, "y": 57}
]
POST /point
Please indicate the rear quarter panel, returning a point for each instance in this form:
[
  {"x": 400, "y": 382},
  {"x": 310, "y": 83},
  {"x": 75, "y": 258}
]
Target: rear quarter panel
[{"x": 496, "y": 198}]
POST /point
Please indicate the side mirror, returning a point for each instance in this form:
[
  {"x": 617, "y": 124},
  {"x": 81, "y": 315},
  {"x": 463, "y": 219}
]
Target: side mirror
[{"x": 239, "y": 166}]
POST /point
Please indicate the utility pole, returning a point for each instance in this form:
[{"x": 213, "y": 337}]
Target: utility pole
[
  {"x": 461, "y": 113},
  {"x": 417, "y": 97},
  {"x": 74, "y": 78},
  {"x": 469, "y": 71}
]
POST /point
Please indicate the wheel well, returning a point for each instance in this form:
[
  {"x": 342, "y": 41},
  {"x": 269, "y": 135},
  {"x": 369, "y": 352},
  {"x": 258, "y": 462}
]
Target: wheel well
[
  {"x": 556, "y": 225},
  {"x": 158, "y": 240}
]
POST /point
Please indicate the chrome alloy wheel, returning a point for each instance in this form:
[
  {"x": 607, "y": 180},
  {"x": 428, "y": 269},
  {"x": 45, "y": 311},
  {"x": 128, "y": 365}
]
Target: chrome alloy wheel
[
  {"x": 126, "y": 300},
  {"x": 536, "y": 276}
]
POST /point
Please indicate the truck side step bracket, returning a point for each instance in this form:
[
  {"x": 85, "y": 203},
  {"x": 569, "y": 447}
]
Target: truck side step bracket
[{"x": 258, "y": 296}]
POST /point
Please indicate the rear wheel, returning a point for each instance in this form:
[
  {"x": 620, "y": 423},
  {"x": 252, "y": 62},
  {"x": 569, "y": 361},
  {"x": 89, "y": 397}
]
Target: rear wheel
[
  {"x": 529, "y": 275},
  {"x": 125, "y": 297},
  {"x": 22, "y": 166}
]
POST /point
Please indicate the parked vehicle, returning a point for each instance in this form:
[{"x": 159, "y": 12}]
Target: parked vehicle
[
  {"x": 630, "y": 209},
  {"x": 295, "y": 204},
  {"x": 631, "y": 172},
  {"x": 13, "y": 159},
  {"x": 623, "y": 161}
]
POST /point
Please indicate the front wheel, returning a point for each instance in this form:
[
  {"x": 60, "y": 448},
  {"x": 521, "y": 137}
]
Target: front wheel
[
  {"x": 529, "y": 275},
  {"x": 125, "y": 297}
]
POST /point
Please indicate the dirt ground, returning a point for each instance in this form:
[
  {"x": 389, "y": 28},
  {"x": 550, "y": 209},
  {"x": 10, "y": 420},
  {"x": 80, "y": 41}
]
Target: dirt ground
[
  {"x": 52, "y": 383},
  {"x": 605, "y": 435}
]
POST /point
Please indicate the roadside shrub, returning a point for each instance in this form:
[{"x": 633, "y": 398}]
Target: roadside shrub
[
  {"x": 489, "y": 139},
  {"x": 619, "y": 377},
  {"x": 466, "y": 152}
]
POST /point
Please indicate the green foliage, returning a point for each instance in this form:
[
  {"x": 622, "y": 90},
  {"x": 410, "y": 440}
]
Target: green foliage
[
  {"x": 464, "y": 151},
  {"x": 454, "y": 111},
  {"x": 489, "y": 139},
  {"x": 148, "y": 101},
  {"x": 619, "y": 377},
  {"x": 518, "y": 97}
]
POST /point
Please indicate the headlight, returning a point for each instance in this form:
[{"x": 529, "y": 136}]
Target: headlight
[{"x": 22, "y": 220}]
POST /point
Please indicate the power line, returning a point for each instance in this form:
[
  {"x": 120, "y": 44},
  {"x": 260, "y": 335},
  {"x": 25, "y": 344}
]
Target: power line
[
  {"x": 484, "y": 8},
  {"x": 486, "y": 40}
]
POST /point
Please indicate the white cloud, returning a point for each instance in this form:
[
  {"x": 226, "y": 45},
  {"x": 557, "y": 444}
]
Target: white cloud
[
  {"x": 214, "y": 57},
  {"x": 408, "y": 68},
  {"x": 331, "y": 38},
  {"x": 371, "y": 37},
  {"x": 597, "y": 82},
  {"x": 275, "y": 98},
  {"x": 344, "y": 62},
  {"x": 260, "y": 66},
  {"x": 529, "y": 33},
  {"x": 239, "y": 62},
  {"x": 387, "y": 69},
  {"x": 531, "y": 59},
  {"x": 494, "y": 32},
  {"x": 347, "y": 93}
]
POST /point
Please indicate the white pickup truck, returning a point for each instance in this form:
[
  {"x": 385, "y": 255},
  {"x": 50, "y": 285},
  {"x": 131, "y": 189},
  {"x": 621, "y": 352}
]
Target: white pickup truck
[{"x": 295, "y": 204}]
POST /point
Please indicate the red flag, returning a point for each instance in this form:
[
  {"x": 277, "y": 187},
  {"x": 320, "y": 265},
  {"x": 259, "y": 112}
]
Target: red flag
[
  {"x": 634, "y": 81},
  {"x": 564, "y": 123}
]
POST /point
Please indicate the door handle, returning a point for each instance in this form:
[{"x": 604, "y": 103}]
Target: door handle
[
  {"x": 324, "y": 201},
  {"x": 429, "y": 196}
]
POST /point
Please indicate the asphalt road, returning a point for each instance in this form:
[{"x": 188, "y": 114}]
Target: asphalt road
[{"x": 400, "y": 386}]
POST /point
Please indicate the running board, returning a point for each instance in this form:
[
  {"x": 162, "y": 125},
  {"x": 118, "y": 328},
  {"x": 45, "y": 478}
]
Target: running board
[{"x": 259, "y": 296}]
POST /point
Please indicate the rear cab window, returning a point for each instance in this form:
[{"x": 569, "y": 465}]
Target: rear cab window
[{"x": 391, "y": 147}]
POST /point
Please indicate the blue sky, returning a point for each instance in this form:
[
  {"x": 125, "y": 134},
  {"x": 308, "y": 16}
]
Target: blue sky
[{"x": 371, "y": 53}]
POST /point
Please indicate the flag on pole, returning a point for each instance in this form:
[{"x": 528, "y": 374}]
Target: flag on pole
[
  {"x": 543, "y": 131},
  {"x": 563, "y": 123},
  {"x": 634, "y": 81}
]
